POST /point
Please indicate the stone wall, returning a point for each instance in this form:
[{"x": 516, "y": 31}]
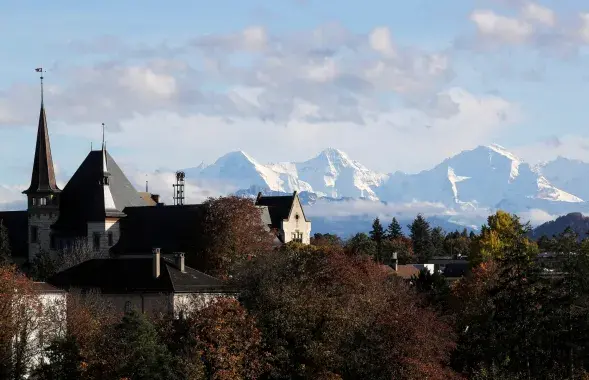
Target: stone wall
[{"x": 43, "y": 222}]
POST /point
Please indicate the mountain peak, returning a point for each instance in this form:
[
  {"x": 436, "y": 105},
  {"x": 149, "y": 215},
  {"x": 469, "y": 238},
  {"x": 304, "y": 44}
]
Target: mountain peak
[{"x": 504, "y": 152}]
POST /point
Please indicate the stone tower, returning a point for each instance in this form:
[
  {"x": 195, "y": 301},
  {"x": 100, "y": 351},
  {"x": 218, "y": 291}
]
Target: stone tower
[{"x": 43, "y": 194}]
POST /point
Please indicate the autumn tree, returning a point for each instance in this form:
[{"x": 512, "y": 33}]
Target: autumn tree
[
  {"x": 5, "y": 250},
  {"x": 377, "y": 234},
  {"x": 21, "y": 320},
  {"x": 231, "y": 231},
  {"x": 502, "y": 232},
  {"x": 321, "y": 240},
  {"x": 420, "y": 233},
  {"x": 337, "y": 316},
  {"x": 219, "y": 341},
  {"x": 394, "y": 230}
]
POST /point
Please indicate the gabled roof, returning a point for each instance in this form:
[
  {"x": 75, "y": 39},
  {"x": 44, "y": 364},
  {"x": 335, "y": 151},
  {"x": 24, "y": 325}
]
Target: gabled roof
[
  {"x": 17, "y": 223},
  {"x": 43, "y": 176},
  {"x": 86, "y": 199},
  {"x": 135, "y": 275},
  {"x": 278, "y": 206},
  {"x": 170, "y": 228}
]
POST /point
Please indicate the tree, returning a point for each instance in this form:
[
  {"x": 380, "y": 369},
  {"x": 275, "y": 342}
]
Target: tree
[
  {"x": 64, "y": 361},
  {"x": 420, "y": 233},
  {"x": 377, "y": 234},
  {"x": 434, "y": 287},
  {"x": 222, "y": 341},
  {"x": 231, "y": 231},
  {"x": 404, "y": 249},
  {"x": 5, "y": 251},
  {"x": 326, "y": 315},
  {"x": 361, "y": 244},
  {"x": 21, "y": 318},
  {"x": 132, "y": 349},
  {"x": 438, "y": 236},
  {"x": 502, "y": 232},
  {"x": 321, "y": 240},
  {"x": 457, "y": 245},
  {"x": 394, "y": 230}
]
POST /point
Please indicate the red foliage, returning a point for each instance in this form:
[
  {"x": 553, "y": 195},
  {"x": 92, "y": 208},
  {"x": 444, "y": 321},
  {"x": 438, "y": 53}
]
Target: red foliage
[
  {"x": 231, "y": 231},
  {"x": 330, "y": 314},
  {"x": 227, "y": 341}
]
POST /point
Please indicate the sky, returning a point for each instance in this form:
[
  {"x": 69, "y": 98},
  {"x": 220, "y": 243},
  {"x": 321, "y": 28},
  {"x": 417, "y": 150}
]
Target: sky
[{"x": 396, "y": 85}]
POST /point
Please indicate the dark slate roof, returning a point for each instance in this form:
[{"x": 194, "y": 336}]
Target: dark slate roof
[
  {"x": 135, "y": 275},
  {"x": 170, "y": 228},
  {"x": 456, "y": 269},
  {"x": 43, "y": 176},
  {"x": 17, "y": 223},
  {"x": 82, "y": 199},
  {"x": 278, "y": 206}
]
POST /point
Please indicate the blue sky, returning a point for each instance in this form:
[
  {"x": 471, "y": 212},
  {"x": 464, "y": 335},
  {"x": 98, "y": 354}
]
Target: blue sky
[{"x": 397, "y": 85}]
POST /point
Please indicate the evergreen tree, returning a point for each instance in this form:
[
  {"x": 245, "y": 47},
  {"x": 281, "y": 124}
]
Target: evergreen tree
[
  {"x": 394, "y": 230},
  {"x": 360, "y": 244},
  {"x": 5, "y": 251},
  {"x": 64, "y": 361},
  {"x": 377, "y": 235},
  {"x": 137, "y": 352},
  {"x": 420, "y": 233},
  {"x": 438, "y": 237}
]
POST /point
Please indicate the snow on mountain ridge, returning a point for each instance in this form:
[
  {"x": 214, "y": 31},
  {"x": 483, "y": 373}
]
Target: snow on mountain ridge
[{"x": 486, "y": 177}]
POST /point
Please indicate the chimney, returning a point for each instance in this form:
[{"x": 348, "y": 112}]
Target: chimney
[
  {"x": 156, "y": 262},
  {"x": 155, "y": 198},
  {"x": 395, "y": 261},
  {"x": 179, "y": 259}
]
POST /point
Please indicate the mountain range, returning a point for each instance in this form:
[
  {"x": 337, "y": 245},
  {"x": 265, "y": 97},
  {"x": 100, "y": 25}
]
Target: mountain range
[{"x": 462, "y": 190}]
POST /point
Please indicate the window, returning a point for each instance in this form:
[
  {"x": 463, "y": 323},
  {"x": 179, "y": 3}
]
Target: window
[
  {"x": 42, "y": 201},
  {"x": 34, "y": 234},
  {"x": 110, "y": 239},
  {"x": 96, "y": 241},
  {"x": 34, "y": 201},
  {"x": 297, "y": 236}
]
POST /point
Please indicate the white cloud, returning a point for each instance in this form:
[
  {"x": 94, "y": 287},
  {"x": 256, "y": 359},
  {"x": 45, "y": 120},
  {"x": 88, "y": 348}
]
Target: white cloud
[
  {"x": 144, "y": 81},
  {"x": 500, "y": 28},
  {"x": 569, "y": 146},
  {"x": 536, "y": 216},
  {"x": 539, "y": 14},
  {"x": 381, "y": 41},
  {"x": 584, "y": 28}
]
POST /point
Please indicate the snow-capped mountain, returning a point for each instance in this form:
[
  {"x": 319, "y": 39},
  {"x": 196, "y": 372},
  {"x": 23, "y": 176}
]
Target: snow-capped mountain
[
  {"x": 480, "y": 178},
  {"x": 567, "y": 174},
  {"x": 463, "y": 188},
  {"x": 330, "y": 174}
]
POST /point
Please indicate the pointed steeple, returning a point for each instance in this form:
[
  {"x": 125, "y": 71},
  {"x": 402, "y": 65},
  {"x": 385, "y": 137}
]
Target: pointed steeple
[{"x": 43, "y": 176}]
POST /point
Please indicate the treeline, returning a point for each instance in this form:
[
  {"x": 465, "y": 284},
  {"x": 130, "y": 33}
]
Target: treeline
[
  {"x": 423, "y": 242},
  {"x": 333, "y": 310}
]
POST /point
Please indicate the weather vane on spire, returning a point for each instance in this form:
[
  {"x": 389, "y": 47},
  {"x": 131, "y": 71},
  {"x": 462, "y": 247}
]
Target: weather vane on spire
[
  {"x": 40, "y": 70},
  {"x": 103, "y": 142}
]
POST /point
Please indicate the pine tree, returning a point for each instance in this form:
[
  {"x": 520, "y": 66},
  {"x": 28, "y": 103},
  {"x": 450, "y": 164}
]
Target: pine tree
[
  {"x": 5, "y": 251},
  {"x": 437, "y": 237},
  {"x": 420, "y": 233},
  {"x": 394, "y": 231},
  {"x": 377, "y": 235}
]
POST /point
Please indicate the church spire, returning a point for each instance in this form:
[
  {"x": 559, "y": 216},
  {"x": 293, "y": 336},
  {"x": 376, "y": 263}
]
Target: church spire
[{"x": 43, "y": 176}]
